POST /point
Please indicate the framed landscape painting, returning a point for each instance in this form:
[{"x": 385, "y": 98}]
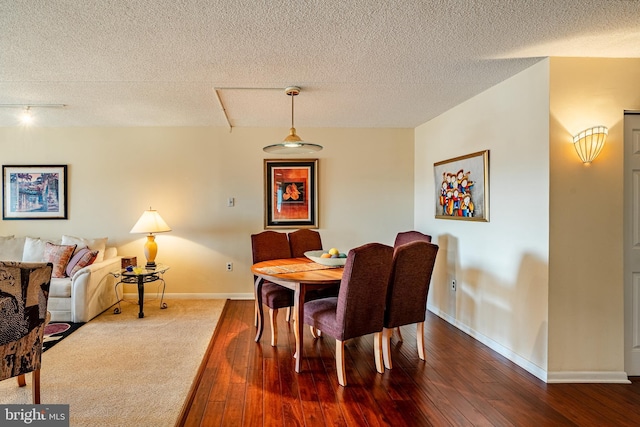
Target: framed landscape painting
[
  {"x": 34, "y": 192},
  {"x": 291, "y": 193},
  {"x": 462, "y": 187}
]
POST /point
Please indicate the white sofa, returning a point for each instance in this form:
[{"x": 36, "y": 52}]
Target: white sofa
[{"x": 79, "y": 298}]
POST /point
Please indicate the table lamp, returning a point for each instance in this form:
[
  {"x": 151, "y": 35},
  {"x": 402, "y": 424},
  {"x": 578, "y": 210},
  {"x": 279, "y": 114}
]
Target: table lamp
[{"x": 150, "y": 222}]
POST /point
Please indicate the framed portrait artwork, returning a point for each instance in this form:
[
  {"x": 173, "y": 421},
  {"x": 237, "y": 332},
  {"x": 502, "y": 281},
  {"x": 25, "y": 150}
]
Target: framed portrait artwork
[
  {"x": 462, "y": 187},
  {"x": 291, "y": 193},
  {"x": 34, "y": 192}
]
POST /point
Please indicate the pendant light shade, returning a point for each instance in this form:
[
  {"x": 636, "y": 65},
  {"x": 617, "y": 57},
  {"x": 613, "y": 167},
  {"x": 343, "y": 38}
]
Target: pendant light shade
[{"x": 292, "y": 144}]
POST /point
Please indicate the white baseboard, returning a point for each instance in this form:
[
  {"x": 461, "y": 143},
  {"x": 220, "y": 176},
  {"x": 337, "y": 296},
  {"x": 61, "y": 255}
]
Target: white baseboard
[
  {"x": 611, "y": 377},
  {"x": 239, "y": 296},
  {"x": 588, "y": 377},
  {"x": 498, "y": 348}
]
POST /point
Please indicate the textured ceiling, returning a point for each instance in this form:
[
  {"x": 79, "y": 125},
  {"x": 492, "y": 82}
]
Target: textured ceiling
[{"x": 370, "y": 63}]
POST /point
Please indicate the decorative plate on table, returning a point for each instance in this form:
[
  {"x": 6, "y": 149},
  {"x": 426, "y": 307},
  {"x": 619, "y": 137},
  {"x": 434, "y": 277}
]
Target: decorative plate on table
[{"x": 334, "y": 262}]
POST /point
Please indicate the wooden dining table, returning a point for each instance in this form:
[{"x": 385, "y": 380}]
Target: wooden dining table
[{"x": 299, "y": 275}]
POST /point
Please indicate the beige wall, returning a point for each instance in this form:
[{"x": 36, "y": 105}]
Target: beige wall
[
  {"x": 586, "y": 214},
  {"x": 501, "y": 266},
  {"x": 187, "y": 174}
]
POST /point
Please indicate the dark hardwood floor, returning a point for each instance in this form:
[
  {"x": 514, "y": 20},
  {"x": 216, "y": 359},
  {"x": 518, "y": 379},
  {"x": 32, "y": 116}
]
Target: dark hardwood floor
[{"x": 462, "y": 383}]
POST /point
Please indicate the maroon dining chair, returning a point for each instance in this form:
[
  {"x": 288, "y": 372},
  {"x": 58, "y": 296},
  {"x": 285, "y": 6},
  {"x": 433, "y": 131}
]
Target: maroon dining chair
[
  {"x": 410, "y": 236},
  {"x": 303, "y": 240},
  {"x": 407, "y": 293},
  {"x": 359, "y": 307},
  {"x": 266, "y": 246}
]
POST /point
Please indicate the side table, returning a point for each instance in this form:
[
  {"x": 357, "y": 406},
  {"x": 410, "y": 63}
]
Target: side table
[{"x": 141, "y": 278}]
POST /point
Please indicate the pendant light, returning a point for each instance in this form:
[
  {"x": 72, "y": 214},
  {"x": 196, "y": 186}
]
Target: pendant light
[{"x": 292, "y": 144}]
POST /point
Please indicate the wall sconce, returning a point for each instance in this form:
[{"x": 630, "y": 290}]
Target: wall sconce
[{"x": 589, "y": 143}]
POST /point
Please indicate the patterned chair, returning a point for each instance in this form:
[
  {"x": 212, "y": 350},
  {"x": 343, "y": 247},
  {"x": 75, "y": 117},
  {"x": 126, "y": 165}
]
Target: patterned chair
[
  {"x": 407, "y": 293},
  {"x": 410, "y": 236},
  {"x": 359, "y": 307},
  {"x": 24, "y": 293},
  {"x": 266, "y": 246}
]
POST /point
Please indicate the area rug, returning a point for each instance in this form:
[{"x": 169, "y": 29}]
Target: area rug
[
  {"x": 55, "y": 332},
  {"x": 119, "y": 370}
]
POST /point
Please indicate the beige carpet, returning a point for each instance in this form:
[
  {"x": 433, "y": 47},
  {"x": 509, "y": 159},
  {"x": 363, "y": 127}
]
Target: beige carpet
[{"x": 118, "y": 370}]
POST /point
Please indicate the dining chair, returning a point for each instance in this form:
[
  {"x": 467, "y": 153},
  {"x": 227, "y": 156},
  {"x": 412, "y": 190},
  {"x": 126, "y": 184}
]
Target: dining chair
[
  {"x": 303, "y": 240},
  {"x": 410, "y": 236},
  {"x": 359, "y": 307},
  {"x": 407, "y": 293},
  {"x": 24, "y": 293},
  {"x": 266, "y": 246}
]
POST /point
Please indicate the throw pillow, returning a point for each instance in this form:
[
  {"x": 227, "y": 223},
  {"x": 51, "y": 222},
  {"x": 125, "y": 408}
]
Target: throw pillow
[
  {"x": 59, "y": 256},
  {"x": 33, "y": 249},
  {"x": 81, "y": 259},
  {"x": 97, "y": 244},
  {"x": 11, "y": 249}
]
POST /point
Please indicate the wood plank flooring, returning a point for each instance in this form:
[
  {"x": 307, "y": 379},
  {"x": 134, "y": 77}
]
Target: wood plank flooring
[{"x": 462, "y": 383}]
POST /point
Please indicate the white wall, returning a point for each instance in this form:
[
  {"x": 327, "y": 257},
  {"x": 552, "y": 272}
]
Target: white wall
[
  {"x": 586, "y": 298},
  {"x": 187, "y": 174},
  {"x": 501, "y": 266}
]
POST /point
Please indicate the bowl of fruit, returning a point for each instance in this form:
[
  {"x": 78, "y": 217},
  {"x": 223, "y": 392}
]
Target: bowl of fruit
[{"x": 332, "y": 257}]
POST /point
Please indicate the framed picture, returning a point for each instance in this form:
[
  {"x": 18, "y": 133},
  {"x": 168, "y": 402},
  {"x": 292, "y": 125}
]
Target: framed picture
[
  {"x": 291, "y": 193},
  {"x": 462, "y": 187},
  {"x": 34, "y": 192}
]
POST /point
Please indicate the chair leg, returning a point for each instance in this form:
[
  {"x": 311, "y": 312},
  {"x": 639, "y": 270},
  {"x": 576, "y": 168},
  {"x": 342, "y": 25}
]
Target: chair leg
[
  {"x": 399, "y": 334},
  {"x": 273, "y": 315},
  {"x": 255, "y": 315},
  {"x": 377, "y": 350},
  {"x": 288, "y": 314},
  {"x": 386, "y": 347},
  {"x": 35, "y": 386},
  {"x": 420, "y": 339},
  {"x": 342, "y": 377},
  {"x": 22, "y": 381}
]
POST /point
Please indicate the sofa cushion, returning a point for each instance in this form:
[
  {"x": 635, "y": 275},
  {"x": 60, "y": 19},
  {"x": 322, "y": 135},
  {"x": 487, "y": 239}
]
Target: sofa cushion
[
  {"x": 11, "y": 248},
  {"x": 96, "y": 244},
  {"x": 81, "y": 259},
  {"x": 60, "y": 288},
  {"x": 34, "y": 249},
  {"x": 59, "y": 255}
]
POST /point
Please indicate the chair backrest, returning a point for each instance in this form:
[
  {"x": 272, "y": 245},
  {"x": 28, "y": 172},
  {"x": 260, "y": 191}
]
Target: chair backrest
[
  {"x": 410, "y": 236},
  {"x": 363, "y": 289},
  {"x": 269, "y": 245},
  {"x": 409, "y": 283},
  {"x": 24, "y": 293},
  {"x": 304, "y": 240}
]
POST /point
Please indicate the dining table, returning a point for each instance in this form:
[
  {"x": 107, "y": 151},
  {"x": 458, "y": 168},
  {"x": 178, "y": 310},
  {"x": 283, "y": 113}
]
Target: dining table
[{"x": 299, "y": 275}]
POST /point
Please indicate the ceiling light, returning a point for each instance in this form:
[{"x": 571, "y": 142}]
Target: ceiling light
[
  {"x": 26, "y": 118},
  {"x": 292, "y": 144}
]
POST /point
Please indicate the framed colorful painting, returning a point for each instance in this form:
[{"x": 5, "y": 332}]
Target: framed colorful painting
[
  {"x": 462, "y": 187},
  {"x": 291, "y": 193},
  {"x": 34, "y": 192}
]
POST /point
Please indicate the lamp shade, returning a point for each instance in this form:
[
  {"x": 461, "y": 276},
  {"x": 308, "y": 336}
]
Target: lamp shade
[
  {"x": 589, "y": 143},
  {"x": 150, "y": 222}
]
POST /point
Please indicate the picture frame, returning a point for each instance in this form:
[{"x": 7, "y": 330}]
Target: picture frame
[
  {"x": 462, "y": 187},
  {"x": 290, "y": 193},
  {"x": 34, "y": 192}
]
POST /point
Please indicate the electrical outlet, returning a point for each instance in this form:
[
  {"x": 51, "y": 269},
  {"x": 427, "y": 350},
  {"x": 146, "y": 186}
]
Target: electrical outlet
[
  {"x": 229, "y": 266},
  {"x": 453, "y": 284}
]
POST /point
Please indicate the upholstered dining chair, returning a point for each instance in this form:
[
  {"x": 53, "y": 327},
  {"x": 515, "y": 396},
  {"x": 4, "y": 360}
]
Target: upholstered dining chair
[
  {"x": 266, "y": 246},
  {"x": 410, "y": 236},
  {"x": 359, "y": 307},
  {"x": 407, "y": 293},
  {"x": 24, "y": 293},
  {"x": 303, "y": 240}
]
